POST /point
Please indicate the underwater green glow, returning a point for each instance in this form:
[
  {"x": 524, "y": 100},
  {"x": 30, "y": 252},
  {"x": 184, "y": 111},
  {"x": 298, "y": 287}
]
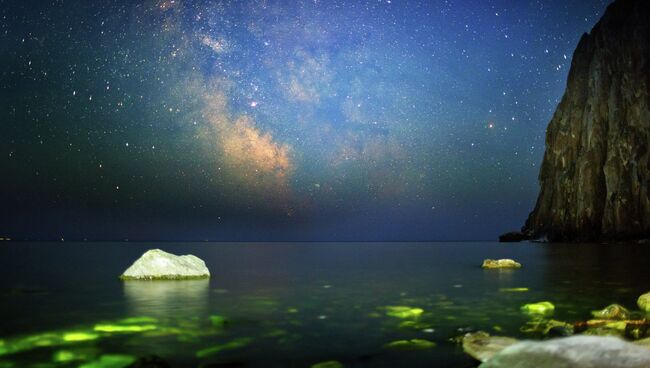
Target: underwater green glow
[
  {"x": 79, "y": 336},
  {"x": 418, "y": 325},
  {"x": 403, "y": 312},
  {"x": 110, "y": 361},
  {"x": 514, "y": 290},
  {"x": 540, "y": 308},
  {"x": 123, "y": 328},
  {"x": 63, "y": 356},
  {"x": 218, "y": 321},
  {"x": 234, "y": 344},
  {"x": 413, "y": 344}
]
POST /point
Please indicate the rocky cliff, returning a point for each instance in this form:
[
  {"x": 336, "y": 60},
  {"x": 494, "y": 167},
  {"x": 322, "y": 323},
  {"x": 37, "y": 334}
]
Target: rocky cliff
[{"x": 595, "y": 176}]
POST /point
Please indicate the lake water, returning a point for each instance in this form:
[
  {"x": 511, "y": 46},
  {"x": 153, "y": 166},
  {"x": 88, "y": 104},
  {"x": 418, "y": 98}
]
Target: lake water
[{"x": 293, "y": 304}]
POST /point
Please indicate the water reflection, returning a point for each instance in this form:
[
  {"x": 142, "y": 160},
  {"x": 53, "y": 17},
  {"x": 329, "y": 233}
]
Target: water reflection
[
  {"x": 599, "y": 273},
  {"x": 167, "y": 298}
]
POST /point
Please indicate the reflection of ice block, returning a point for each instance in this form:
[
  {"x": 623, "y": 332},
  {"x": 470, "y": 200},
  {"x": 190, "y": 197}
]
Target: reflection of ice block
[{"x": 167, "y": 298}]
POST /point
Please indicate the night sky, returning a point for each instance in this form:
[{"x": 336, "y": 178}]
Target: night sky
[{"x": 264, "y": 120}]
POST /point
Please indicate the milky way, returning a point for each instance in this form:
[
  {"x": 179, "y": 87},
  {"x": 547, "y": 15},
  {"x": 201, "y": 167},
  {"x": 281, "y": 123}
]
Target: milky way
[{"x": 314, "y": 120}]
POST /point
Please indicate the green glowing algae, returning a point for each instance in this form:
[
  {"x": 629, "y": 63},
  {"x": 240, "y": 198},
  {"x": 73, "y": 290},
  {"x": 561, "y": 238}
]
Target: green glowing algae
[
  {"x": 110, "y": 361},
  {"x": 417, "y": 325},
  {"x": 413, "y": 344},
  {"x": 514, "y": 290},
  {"x": 540, "y": 308},
  {"x": 123, "y": 328},
  {"x": 234, "y": 344},
  {"x": 63, "y": 356},
  {"x": 218, "y": 321},
  {"x": 403, "y": 312},
  {"x": 78, "y": 336},
  {"x": 328, "y": 364}
]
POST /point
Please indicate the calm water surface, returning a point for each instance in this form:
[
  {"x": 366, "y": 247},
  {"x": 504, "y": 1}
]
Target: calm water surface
[{"x": 292, "y": 305}]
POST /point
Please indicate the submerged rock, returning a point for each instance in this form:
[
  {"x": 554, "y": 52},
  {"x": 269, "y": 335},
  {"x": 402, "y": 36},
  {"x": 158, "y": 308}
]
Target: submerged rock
[
  {"x": 644, "y": 302},
  {"x": 540, "y": 308},
  {"x": 501, "y": 263},
  {"x": 403, "y": 312},
  {"x": 156, "y": 264},
  {"x": 604, "y": 331},
  {"x": 548, "y": 327},
  {"x": 110, "y": 361},
  {"x": 413, "y": 344},
  {"x": 481, "y": 346},
  {"x": 572, "y": 352},
  {"x": 233, "y": 344},
  {"x": 514, "y": 290},
  {"x": 613, "y": 311},
  {"x": 595, "y": 175}
]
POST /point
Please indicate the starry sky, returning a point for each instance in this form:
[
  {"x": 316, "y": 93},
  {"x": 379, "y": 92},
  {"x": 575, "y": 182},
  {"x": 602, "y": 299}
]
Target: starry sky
[{"x": 278, "y": 120}]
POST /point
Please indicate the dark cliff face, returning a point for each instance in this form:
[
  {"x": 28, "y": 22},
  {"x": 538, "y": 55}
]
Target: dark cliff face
[{"x": 595, "y": 176}]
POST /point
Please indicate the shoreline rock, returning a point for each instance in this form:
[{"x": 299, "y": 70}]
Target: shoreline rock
[
  {"x": 513, "y": 237},
  {"x": 156, "y": 264},
  {"x": 595, "y": 176}
]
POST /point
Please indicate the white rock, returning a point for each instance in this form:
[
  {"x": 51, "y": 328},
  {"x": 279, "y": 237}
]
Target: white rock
[
  {"x": 481, "y": 346},
  {"x": 572, "y": 352},
  {"x": 156, "y": 264}
]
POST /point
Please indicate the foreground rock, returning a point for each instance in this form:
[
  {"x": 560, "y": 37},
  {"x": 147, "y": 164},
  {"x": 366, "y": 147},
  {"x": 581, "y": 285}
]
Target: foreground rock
[
  {"x": 501, "y": 263},
  {"x": 644, "y": 302},
  {"x": 481, "y": 346},
  {"x": 643, "y": 343},
  {"x": 572, "y": 352},
  {"x": 156, "y": 264},
  {"x": 595, "y": 175}
]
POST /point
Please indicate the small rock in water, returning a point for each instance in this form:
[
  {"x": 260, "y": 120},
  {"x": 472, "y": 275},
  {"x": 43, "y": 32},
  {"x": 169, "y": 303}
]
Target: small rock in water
[
  {"x": 156, "y": 264},
  {"x": 481, "y": 346},
  {"x": 613, "y": 311},
  {"x": 501, "y": 263},
  {"x": 644, "y": 302},
  {"x": 572, "y": 352}
]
